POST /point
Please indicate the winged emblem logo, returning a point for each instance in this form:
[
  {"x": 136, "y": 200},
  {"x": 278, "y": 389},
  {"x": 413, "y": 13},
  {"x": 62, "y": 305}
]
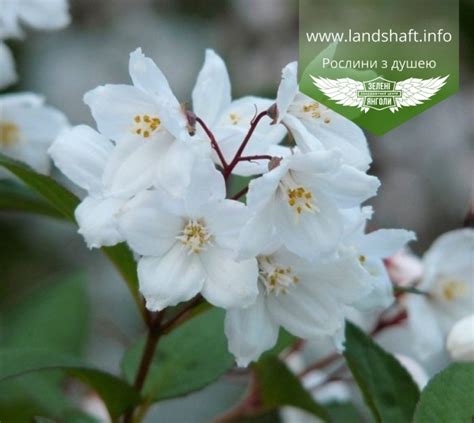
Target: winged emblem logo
[{"x": 379, "y": 93}]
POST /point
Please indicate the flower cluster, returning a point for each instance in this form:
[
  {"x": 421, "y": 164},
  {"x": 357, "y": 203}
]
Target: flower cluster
[
  {"x": 438, "y": 321},
  {"x": 294, "y": 254},
  {"x": 27, "y": 125}
]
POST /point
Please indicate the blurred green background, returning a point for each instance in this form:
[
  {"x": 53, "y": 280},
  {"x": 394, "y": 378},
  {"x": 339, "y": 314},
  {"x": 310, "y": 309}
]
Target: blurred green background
[{"x": 425, "y": 165}]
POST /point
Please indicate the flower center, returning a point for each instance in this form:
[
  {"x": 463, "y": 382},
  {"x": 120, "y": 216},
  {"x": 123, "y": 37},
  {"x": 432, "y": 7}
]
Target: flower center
[
  {"x": 234, "y": 118},
  {"x": 9, "y": 134},
  {"x": 313, "y": 110},
  {"x": 299, "y": 198},
  {"x": 277, "y": 279},
  {"x": 145, "y": 125},
  {"x": 195, "y": 236},
  {"x": 453, "y": 289}
]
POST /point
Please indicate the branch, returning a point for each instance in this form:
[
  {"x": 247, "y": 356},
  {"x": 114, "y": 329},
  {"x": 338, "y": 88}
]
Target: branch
[
  {"x": 241, "y": 149},
  {"x": 214, "y": 144}
]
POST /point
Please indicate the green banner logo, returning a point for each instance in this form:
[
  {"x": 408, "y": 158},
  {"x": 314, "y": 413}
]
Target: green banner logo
[{"x": 379, "y": 63}]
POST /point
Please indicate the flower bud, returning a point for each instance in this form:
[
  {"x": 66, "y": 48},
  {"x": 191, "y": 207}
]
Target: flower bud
[
  {"x": 274, "y": 162},
  {"x": 191, "y": 117},
  {"x": 273, "y": 113},
  {"x": 460, "y": 343}
]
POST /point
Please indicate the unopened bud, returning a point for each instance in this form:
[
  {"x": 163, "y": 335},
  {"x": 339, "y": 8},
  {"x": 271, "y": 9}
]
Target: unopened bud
[
  {"x": 273, "y": 113},
  {"x": 460, "y": 343},
  {"x": 274, "y": 162}
]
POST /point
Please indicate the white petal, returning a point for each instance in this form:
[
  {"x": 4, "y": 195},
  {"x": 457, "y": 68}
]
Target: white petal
[
  {"x": 168, "y": 280},
  {"x": 175, "y": 171},
  {"x": 206, "y": 185},
  {"x": 306, "y": 141},
  {"x": 148, "y": 78},
  {"x": 47, "y": 15},
  {"x": 114, "y": 108},
  {"x": 342, "y": 134},
  {"x": 133, "y": 166},
  {"x": 262, "y": 190},
  {"x": 343, "y": 277},
  {"x": 229, "y": 283},
  {"x": 381, "y": 296},
  {"x": 309, "y": 234},
  {"x": 348, "y": 186},
  {"x": 384, "y": 243},
  {"x": 212, "y": 82},
  {"x": 239, "y": 115},
  {"x": 427, "y": 336},
  {"x": 250, "y": 331},
  {"x": 23, "y": 99},
  {"x": 258, "y": 234},
  {"x": 450, "y": 255},
  {"x": 460, "y": 343},
  {"x": 315, "y": 162},
  {"x": 287, "y": 89},
  {"x": 81, "y": 153},
  {"x": 9, "y": 24},
  {"x": 225, "y": 220},
  {"x": 148, "y": 229},
  {"x": 306, "y": 312},
  {"x": 96, "y": 220},
  {"x": 8, "y": 74}
]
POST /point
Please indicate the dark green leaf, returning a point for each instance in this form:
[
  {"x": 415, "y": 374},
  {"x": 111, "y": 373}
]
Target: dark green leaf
[
  {"x": 64, "y": 203},
  {"x": 122, "y": 258},
  {"x": 343, "y": 412},
  {"x": 116, "y": 393},
  {"x": 285, "y": 340},
  {"x": 16, "y": 197},
  {"x": 388, "y": 388},
  {"x": 449, "y": 396},
  {"x": 280, "y": 387},
  {"x": 268, "y": 417},
  {"x": 58, "y": 197},
  {"x": 188, "y": 359},
  {"x": 54, "y": 317}
]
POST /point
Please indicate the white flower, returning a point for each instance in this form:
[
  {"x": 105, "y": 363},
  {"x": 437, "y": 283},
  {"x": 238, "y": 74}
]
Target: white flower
[
  {"x": 448, "y": 281},
  {"x": 460, "y": 343},
  {"x": 370, "y": 249},
  {"x": 149, "y": 128},
  {"x": 7, "y": 67},
  {"x": 313, "y": 124},
  {"x": 187, "y": 244},
  {"x": 27, "y": 128},
  {"x": 39, "y": 14},
  {"x": 298, "y": 203},
  {"x": 230, "y": 120},
  {"x": 307, "y": 299},
  {"x": 81, "y": 154}
]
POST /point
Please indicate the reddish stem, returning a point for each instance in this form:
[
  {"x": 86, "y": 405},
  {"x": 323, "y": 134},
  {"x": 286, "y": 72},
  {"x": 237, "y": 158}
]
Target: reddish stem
[
  {"x": 214, "y": 144},
  {"x": 241, "y": 193},
  {"x": 238, "y": 154},
  {"x": 258, "y": 157}
]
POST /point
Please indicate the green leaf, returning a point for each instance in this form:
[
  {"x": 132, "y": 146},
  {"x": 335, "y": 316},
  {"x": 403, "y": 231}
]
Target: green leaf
[
  {"x": 343, "y": 412},
  {"x": 279, "y": 387},
  {"x": 188, "y": 359},
  {"x": 64, "y": 203},
  {"x": 122, "y": 258},
  {"x": 117, "y": 395},
  {"x": 53, "y": 317},
  {"x": 15, "y": 197},
  {"x": 285, "y": 340},
  {"x": 449, "y": 396},
  {"x": 59, "y": 197},
  {"x": 388, "y": 389}
]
